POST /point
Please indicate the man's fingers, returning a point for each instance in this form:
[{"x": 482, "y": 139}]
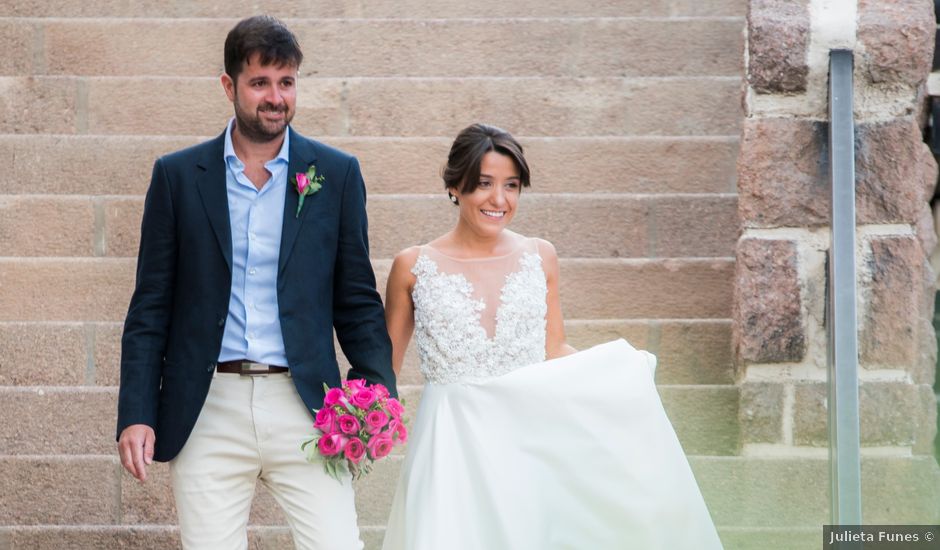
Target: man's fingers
[
  {"x": 148, "y": 448},
  {"x": 136, "y": 449},
  {"x": 137, "y": 456},
  {"x": 126, "y": 460}
]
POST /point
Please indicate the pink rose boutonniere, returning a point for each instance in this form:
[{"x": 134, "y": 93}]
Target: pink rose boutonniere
[
  {"x": 306, "y": 184},
  {"x": 358, "y": 425}
]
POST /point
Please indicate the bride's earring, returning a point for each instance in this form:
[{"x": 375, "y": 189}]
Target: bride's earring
[{"x": 453, "y": 198}]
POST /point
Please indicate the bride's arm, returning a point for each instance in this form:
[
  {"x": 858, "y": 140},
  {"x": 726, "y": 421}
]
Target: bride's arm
[
  {"x": 399, "y": 309},
  {"x": 555, "y": 344}
]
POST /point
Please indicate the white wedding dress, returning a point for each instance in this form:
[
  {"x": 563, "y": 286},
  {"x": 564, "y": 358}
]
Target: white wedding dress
[{"x": 512, "y": 452}]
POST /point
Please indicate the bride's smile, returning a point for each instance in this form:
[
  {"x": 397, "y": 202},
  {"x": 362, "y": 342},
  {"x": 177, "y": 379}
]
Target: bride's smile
[{"x": 489, "y": 207}]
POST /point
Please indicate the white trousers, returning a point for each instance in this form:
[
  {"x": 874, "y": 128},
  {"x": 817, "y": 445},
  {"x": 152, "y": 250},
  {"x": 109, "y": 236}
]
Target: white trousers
[{"x": 250, "y": 429}]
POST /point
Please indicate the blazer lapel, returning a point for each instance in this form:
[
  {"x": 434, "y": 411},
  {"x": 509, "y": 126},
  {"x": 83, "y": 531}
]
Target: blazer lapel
[
  {"x": 301, "y": 155},
  {"x": 211, "y": 185}
]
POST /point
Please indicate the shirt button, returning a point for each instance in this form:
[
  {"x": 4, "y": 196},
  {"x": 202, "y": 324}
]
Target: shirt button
[{"x": 252, "y": 271}]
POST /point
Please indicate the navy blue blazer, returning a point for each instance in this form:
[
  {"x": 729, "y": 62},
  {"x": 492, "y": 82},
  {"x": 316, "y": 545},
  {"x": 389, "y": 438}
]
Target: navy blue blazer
[{"x": 174, "y": 325}]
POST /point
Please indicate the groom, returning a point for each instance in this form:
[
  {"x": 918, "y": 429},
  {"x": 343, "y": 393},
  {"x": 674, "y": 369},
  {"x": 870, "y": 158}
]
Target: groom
[{"x": 229, "y": 335}]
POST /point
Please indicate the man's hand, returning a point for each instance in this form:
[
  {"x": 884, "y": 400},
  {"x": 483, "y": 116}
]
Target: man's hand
[{"x": 136, "y": 448}]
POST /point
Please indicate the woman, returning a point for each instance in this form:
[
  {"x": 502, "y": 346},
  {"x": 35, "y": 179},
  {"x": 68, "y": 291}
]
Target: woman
[{"x": 519, "y": 441}]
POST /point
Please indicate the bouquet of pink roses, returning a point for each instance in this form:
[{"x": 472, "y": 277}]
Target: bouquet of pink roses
[{"x": 358, "y": 424}]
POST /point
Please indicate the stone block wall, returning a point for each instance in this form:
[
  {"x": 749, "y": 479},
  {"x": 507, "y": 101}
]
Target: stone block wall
[{"x": 779, "y": 324}]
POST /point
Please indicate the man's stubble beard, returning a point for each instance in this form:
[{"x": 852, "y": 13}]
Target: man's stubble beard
[{"x": 254, "y": 129}]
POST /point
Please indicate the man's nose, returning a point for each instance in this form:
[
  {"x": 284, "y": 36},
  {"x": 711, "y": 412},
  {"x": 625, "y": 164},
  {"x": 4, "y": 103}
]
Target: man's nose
[{"x": 275, "y": 97}]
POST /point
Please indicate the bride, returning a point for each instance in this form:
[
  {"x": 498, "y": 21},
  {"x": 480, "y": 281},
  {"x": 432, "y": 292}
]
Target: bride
[{"x": 520, "y": 442}]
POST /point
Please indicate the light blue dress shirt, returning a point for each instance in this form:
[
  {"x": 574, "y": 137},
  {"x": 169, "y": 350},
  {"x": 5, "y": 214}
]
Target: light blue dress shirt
[{"x": 253, "y": 326}]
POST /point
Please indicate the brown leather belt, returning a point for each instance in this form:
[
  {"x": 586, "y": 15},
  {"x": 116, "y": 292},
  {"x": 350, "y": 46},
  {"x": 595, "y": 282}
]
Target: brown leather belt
[{"x": 248, "y": 368}]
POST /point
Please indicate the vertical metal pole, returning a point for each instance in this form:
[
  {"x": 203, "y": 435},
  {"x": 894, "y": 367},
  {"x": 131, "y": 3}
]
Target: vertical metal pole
[{"x": 844, "y": 447}]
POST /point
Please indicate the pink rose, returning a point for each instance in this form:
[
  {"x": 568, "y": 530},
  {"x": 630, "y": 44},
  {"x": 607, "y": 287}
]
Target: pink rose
[
  {"x": 302, "y": 182},
  {"x": 380, "y": 446},
  {"x": 394, "y": 407},
  {"x": 355, "y": 450},
  {"x": 364, "y": 398},
  {"x": 325, "y": 420},
  {"x": 355, "y": 385},
  {"x": 375, "y": 421},
  {"x": 398, "y": 431},
  {"x": 381, "y": 392},
  {"x": 348, "y": 424},
  {"x": 331, "y": 444},
  {"x": 333, "y": 397}
]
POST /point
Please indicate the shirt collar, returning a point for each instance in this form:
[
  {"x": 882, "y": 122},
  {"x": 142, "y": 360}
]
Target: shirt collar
[{"x": 229, "y": 151}]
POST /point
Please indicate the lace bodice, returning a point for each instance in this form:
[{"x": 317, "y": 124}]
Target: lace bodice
[{"x": 477, "y": 319}]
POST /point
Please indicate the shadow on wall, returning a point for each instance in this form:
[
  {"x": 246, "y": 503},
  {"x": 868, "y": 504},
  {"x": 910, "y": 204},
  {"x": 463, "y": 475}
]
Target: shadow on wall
[
  {"x": 936, "y": 383},
  {"x": 932, "y": 137}
]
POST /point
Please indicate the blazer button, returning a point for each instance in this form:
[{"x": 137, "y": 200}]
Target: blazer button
[
  {"x": 221, "y": 321},
  {"x": 211, "y": 367}
]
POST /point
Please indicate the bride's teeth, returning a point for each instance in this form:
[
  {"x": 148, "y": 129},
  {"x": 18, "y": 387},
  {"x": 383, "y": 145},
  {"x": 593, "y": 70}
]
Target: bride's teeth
[{"x": 493, "y": 214}]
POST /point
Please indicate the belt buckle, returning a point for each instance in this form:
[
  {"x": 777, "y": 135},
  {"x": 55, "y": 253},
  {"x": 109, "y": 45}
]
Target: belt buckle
[{"x": 250, "y": 368}]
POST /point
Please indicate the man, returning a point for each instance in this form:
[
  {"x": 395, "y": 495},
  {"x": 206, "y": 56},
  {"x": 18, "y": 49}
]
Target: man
[{"x": 229, "y": 335}]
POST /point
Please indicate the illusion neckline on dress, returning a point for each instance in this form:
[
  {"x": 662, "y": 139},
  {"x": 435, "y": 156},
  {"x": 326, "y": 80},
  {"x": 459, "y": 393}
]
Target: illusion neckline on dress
[
  {"x": 516, "y": 250},
  {"x": 454, "y": 342},
  {"x": 468, "y": 291}
]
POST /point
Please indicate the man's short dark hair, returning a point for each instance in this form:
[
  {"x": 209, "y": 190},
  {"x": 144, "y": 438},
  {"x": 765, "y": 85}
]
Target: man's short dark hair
[{"x": 263, "y": 35}]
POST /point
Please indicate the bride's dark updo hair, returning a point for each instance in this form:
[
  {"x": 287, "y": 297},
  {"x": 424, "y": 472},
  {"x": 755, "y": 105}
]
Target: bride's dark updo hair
[{"x": 462, "y": 171}]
